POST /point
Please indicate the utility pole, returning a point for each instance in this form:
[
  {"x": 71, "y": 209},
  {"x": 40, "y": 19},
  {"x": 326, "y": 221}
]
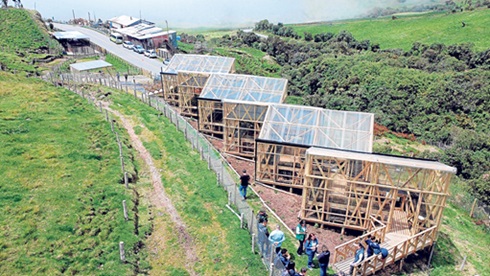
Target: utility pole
[
  {"x": 89, "y": 17},
  {"x": 73, "y": 11}
]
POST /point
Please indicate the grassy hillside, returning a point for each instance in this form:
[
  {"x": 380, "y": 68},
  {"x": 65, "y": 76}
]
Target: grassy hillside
[
  {"x": 24, "y": 39},
  {"x": 59, "y": 185},
  {"x": 427, "y": 28}
]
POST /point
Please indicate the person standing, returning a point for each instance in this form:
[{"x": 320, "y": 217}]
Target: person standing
[
  {"x": 300, "y": 236},
  {"x": 323, "y": 260},
  {"x": 311, "y": 246},
  {"x": 357, "y": 259},
  {"x": 244, "y": 179},
  {"x": 277, "y": 238},
  {"x": 263, "y": 236}
]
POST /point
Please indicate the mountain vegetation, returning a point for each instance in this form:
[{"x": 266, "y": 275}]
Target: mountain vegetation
[{"x": 436, "y": 93}]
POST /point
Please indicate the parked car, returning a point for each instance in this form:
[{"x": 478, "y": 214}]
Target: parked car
[
  {"x": 138, "y": 49},
  {"x": 166, "y": 61},
  {"x": 151, "y": 53},
  {"x": 128, "y": 44}
]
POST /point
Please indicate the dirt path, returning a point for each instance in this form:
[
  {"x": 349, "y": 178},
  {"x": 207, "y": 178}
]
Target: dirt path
[{"x": 161, "y": 199}]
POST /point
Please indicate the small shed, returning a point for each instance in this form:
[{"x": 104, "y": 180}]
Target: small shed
[
  {"x": 233, "y": 106},
  {"x": 74, "y": 42},
  {"x": 289, "y": 130},
  {"x": 184, "y": 78},
  {"x": 346, "y": 189},
  {"x": 89, "y": 65}
]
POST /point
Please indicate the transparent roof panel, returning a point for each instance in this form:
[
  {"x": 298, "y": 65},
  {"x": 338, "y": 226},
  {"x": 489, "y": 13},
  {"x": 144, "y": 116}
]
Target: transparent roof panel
[
  {"x": 398, "y": 162},
  {"x": 244, "y": 88},
  {"x": 200, "y": 64},
  {"x": 311, "y": 126}
]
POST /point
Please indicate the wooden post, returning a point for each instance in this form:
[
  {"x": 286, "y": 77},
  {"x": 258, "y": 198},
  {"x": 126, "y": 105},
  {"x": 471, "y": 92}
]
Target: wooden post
[
  {"x": 107, "y": 115},
  {"x": 241, "y": 221},
  {"x": 125, "y": 210},
  {"x": 126, "y": 180},
  {"x": 271, "y": 271},
  {"x": 121, "y": 252},
  {"x": 229, "y": 198},
  {"x": 112, "y": 125},
  {"x": 272, "y": 253},
  {"x": 202, "y": 154},
  {"x": 100, "y": 107},
  {"x": 122, "y": 164},
  {"x": 473, "y": 208},
  {"x": 252, "y": 221},
  {"x": 462, "y": 264},
  {"x": 253, "y": 242},
  {"x": 217, "y": 178},
  {"x": 430, "y": 255}
]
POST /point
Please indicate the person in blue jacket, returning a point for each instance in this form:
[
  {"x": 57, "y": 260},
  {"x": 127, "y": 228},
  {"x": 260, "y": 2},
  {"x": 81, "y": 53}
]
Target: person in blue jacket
[
  {"x": 359, "y": 257},
  {"x": 311, "y": 246}
]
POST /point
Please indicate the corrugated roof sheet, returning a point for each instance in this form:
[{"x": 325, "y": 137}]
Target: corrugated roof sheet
[
  {"x": 312, "y": 126},
  {"x": 70, "y": 35},
  {"x": 124, "y": 20},
  {"x": 90, "y": 65},
  {"x": 199, "y": 64},
  {"x": 244, "y": 88},
  {"x": 143, "y": 31}
]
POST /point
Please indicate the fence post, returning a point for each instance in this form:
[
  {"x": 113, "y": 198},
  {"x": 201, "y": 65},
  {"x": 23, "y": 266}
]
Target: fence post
[
  {"x": 253, "y": 242},
  {"x": 125, "y": 210},
  {"x": 217, "y": 178},
  {"x": 229, "y": 198},
  {"x": 112, "y": 125},
  {"x": 241, "y": 221},
  {"x": 126, "y": 180},
  {"x": 473, "y": 208},
  {"x": 107, "y": 115},
  {"x": 121, "y": 252},
  {"x": 271, "y": 256},
  {"x": 100, "y": 107},
  {"x": 251, "y": 221},
  {"x": 463, "y": 263}
]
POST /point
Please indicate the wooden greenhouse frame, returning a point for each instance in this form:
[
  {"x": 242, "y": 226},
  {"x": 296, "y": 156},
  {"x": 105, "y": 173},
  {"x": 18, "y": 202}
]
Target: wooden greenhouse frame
[
  {"x": 249, "y": 93},
  {"x": 288, "y": 131},
  {"x": 347, "y": 189},
  {"x": 242, "y": 125},
  {"x": 185, "y": 76}
]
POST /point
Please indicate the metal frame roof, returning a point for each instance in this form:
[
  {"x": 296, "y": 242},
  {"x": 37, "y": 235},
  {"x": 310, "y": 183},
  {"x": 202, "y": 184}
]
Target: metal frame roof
[
  {"x": 246, "y": 88},
  {"x": 385, "y": 159},
  {"x": 90, "y": 65},
  {"x": 199, "y": 64},
  {"x": 143, "y": 31},
  {"x": 70, "y": 35},
  {"x": 312, "y": 126}
]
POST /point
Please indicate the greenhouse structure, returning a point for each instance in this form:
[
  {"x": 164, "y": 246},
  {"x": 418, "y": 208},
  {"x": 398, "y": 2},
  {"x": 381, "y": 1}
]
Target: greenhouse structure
[
  {"x": 186, "y": 75},
  {"x": 289, "y": 130},
  {"x": 345, "y": 189},
  {"x": 233, "y": 107}
]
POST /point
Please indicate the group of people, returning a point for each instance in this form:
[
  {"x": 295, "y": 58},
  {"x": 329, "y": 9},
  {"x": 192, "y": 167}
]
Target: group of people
[
  {"x": 308, "y": 244},
  {"x": 373, "y": 247}
]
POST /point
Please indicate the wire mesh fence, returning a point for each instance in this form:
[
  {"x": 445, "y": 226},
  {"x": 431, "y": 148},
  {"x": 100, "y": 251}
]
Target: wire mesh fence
[{"x": 226, "y": 176}]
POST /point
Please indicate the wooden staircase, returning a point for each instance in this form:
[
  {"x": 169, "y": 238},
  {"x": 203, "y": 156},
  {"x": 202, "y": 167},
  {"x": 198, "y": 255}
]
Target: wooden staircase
[{"x": 398, "y": 241}]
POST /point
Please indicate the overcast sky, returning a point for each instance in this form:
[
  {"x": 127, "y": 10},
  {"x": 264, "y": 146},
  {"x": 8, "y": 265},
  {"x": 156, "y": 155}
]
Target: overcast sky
[{"x": 213, "y": 13}]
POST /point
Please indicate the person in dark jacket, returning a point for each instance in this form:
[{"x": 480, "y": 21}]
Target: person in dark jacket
[
  {"x": 244, "y": 179},
  {"x": 323, "y": 260}
]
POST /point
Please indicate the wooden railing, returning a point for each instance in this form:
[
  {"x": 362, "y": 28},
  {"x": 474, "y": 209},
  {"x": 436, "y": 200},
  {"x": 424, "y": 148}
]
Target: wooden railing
[
  {"x": 348, "y": 249},
  {"x": 397, "y": 252}
]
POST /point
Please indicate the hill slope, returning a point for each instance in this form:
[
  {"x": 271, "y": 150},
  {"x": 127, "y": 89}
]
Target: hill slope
[{"x": 425, "y": 28}]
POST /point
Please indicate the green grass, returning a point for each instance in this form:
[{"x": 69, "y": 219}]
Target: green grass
[
  {"x": 221, "y": 246},
  {"x": 426, "y": 28},
  {"x": 60, "y": 190},
  {"x": 22, "y": 38},
  {"x": 121, "y": 66}
]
